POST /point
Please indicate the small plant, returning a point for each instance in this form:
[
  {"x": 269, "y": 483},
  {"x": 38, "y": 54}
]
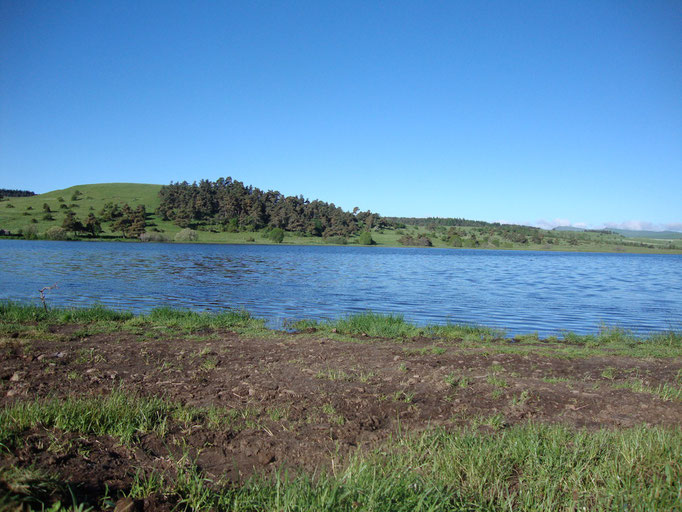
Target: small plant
[
  {"x": 609, "y": 373},
  {"x": 456, "y": 381},
  {"x": 519, "y": 400},
  {"x": 210, "y": 363},
  {"x": 333, "y": 416},
  {"x": 402, "y": 396},
  {"x": 496, "y": 368},
  {"x": 496, "y": 381},
  {"x": 42, "y": 294},
  {"x": 333, "y": 374}
]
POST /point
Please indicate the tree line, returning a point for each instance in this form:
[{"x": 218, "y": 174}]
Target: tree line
[
  {"x": 433, "y": 222},
  {"x": 6, "y": 192},
  {"x": 234, "y": 206}
]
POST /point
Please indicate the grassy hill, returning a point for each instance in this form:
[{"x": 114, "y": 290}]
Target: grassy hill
[
  {"x": 27, "y": 214},
  {"x": 18, "y": 213}
]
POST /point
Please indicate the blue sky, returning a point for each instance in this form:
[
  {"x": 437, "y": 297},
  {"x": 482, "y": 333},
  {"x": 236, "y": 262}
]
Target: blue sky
[{"x": 541, "y": 112}]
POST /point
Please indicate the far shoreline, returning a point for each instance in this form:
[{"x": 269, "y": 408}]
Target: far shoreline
[{"x": 601, "y": 250}]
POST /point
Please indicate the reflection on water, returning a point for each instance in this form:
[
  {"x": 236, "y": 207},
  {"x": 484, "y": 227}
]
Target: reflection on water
[{"x": 519, "y": 291}]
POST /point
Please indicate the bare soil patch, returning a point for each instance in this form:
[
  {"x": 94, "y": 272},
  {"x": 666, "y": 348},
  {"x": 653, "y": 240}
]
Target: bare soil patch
[{"x": 300, "y": 401}]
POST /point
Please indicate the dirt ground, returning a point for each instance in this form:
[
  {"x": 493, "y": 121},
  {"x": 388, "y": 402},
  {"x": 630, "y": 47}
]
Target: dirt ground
[{"x": 301, "y": 401}]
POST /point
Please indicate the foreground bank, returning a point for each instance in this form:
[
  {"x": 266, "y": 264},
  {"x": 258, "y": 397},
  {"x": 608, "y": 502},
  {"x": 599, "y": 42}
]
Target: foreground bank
[{"x": 181, "y": 410}]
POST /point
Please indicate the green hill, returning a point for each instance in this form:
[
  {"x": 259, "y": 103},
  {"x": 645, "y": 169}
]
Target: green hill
[
  {"x": 17, "y": 213},
  {"x": 22, "y": 215}
]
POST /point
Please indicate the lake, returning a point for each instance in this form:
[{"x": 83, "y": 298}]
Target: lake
[{"x": 521, "y": 291}]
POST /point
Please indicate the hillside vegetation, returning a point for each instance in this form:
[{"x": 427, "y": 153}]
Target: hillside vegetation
[{"x": 227, "y": 211}]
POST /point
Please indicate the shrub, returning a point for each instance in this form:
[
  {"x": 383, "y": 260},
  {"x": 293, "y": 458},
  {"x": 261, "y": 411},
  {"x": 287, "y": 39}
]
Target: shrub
[
  {"x": 232, "y": 225},
  {"x": 153, "y": 237},
  {"x": 276, "y": 235},
  {"x": 187, "y": 235},
  {"x": 421, "y": 240},
  {"x": 337, "y": 240},
  {"x": 56, "y": 233},
  {"x": 30, "y": 232},
  {"x": 365, "y": 238}
]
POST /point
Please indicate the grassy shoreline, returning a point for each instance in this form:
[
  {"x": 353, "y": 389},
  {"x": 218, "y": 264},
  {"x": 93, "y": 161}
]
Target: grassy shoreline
[
  {"x": 360, "y": 326},
  {"x": 480, "y": 459},
  {"x": 295, "y": 241}
]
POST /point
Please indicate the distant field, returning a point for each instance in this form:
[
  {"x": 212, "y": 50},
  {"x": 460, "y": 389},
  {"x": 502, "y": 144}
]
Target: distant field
[{"x": 21, "y": 215}]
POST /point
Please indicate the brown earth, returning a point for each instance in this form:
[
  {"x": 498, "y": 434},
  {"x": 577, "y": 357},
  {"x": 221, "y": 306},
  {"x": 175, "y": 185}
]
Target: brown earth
[{"x": 301, "y": 401}]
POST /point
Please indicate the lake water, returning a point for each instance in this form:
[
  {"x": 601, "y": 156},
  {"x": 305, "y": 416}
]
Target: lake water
[{"x": 521, "y": 291}]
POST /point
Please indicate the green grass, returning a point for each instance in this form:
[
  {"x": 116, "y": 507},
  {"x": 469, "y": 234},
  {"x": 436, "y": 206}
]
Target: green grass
[
  {"x": 31, "y": 318},
  {"x": 666, "y": 391},
  {"x": 396, "y": 327},
  {"x": 119, "y": 415},
  {"x": 16, "y": 316},
  {"x": 93, "y": 196},
  {"x": 535, "y": 468},
  {"x": 526, "y": 467}
]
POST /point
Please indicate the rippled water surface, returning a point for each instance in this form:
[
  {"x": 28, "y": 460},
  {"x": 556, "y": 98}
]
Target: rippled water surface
[{"x": 521, "y": 291}]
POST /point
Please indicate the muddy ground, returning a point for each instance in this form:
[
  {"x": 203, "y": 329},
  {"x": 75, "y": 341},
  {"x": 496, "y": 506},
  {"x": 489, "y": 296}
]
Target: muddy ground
[{"x": 301, "y": 401}]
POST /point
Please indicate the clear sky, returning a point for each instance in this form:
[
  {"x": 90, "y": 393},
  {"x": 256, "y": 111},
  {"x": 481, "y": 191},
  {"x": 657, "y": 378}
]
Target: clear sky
[{"x": 532, "y": 112}]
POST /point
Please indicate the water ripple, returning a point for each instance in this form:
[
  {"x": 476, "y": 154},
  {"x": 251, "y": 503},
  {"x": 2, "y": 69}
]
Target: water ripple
[{"x": 521, "y": 291}]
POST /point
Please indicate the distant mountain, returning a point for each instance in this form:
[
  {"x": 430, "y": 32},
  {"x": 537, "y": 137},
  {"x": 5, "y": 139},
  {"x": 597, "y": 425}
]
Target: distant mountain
[
  {"x": 632, "y": 233},
  {"x": 567, "y": 228},
  {"x": 658, "y": 235}
]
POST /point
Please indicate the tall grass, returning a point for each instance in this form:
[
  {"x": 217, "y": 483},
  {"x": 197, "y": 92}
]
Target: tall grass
[
  {"x": 368, "y": 324},
  {"x": 119, "y": 415},
  {"x": 395, "y": 326},
  {"x": 193, "y": 321},
  {"x": 525, "y": 468},
  {"x": 12, "y": 313}
]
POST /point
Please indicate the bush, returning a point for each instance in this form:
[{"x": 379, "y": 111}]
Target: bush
[
  {"x": 365, "y": 238},
  {"x": 187, "y": 235},
  {"x": 56, "y": 233},
  {"x": 30, "y": 232},
  {"x": 420, "y": 241},
  {"x": 337, "y": 240},
  {"x": 153, "y": 237},
  {"x": 276, "y": 235}
]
